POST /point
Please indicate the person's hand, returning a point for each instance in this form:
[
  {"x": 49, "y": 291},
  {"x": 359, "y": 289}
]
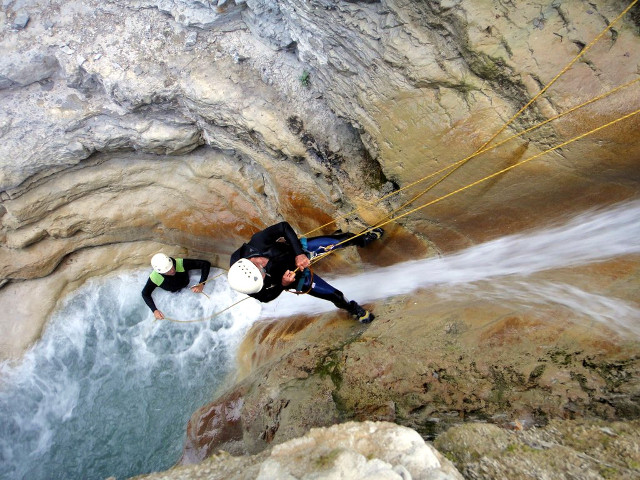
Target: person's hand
[
  {"x": 302, "y": 261},
  {"x": 197, "y": 288},
  {"x": 158, "y": 314},
  {"x": 288, "y": 278}
]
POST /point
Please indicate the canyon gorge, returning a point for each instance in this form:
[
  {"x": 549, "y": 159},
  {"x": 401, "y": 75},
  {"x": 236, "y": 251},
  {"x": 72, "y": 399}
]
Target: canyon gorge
[{"x": 185, "y": 126}]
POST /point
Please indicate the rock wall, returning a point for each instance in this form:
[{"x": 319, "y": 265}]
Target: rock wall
[
  {"x": 564, "y": 449},
  {"x": 350, "y": 451},
  {"x": 430, "y": 361},
  {"x": 128, "y": 127},
  {"x": 193, "y": 124}
]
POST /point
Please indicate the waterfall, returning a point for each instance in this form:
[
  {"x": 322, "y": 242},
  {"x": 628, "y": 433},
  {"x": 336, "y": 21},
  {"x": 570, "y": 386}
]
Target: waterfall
[
  {"x": 504, "y": 269},
  {"x": 108, "y": 390}
]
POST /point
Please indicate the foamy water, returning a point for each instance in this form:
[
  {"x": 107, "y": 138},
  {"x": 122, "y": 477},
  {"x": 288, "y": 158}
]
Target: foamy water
[{"x": 108, "y": 390}]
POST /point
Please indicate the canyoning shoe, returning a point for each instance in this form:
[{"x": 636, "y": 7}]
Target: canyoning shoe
[
  {"x": 370, "y": 236},
  {"x": 361, "y": 314},
  {"x": 366, "y": 317}
]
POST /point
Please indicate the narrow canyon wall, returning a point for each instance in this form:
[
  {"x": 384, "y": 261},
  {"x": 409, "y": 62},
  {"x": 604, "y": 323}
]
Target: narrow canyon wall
[
  {"x": 132, "y": 126},
  {"x": 128, "y": 127}
]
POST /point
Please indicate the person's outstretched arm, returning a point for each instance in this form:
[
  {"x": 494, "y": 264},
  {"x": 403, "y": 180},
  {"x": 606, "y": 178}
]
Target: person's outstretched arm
[
  {"x": 271, "y": 234},
  {"x": 146, "y": 296}
]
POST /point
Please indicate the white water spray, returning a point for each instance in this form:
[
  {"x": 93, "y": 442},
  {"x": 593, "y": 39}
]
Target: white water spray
[
  {"x": 108, "y": 391},
  {"x": 590, "y": 237}
]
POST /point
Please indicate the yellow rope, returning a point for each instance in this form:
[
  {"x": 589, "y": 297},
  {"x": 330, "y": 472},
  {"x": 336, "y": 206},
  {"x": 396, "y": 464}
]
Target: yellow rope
[
  {"x": 488, "y": 177},
  {"x": 207, "y": 280},
  {"x": 202, "y": 319},
  {"x": 483, "y": 147},
  {"x": 512, "y": 137},
  {"x": 504, "y": 170},
  {"x": 567, "y": 67}
]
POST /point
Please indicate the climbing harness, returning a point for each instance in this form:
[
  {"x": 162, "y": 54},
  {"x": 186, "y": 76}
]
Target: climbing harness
[
  {"x": 305, "y": 277},
  {"x": 450, "y": 169}
]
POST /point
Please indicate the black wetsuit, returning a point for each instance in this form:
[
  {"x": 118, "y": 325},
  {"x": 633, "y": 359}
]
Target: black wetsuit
[
  {"x": 178, "y": 281},
  {"x": 280, "y": 244}
]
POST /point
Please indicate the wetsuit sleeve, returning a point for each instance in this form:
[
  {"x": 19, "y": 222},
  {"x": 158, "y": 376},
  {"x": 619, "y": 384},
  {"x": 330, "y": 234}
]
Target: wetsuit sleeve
[
  {"x": 146, "y": 294},
  {"x": 203, "y": 265},
  {"x": 267, "y": 294},
  {"x": 271, "y": 234}
]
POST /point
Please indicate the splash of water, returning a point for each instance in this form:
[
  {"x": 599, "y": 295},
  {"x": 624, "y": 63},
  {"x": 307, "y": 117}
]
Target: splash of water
[
  {"x": 108, "y": 391},
  {"x": 593, "y": 236}
]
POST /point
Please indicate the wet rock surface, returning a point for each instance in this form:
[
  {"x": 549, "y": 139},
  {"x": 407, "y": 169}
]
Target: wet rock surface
[
  {"x": 440, "y": 362},
  {"x": 183, "y": 126},
  {"x": 191, "y": 125}
]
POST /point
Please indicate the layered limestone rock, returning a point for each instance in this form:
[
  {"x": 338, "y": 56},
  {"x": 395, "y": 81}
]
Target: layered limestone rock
[
  {"x": 193, "y": 124},
  {"x": 128, "y": 127}
]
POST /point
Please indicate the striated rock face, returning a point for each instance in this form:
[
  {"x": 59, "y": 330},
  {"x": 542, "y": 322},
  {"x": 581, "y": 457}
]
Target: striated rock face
[
  {"x": 192, "y": 125},
  {"x": 128, "y": 127}
]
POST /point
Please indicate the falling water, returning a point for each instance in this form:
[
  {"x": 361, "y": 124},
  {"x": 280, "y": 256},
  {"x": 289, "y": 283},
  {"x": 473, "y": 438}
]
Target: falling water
[
  {"x": 507, "y": 262},
  {"x": 108, "y": 391}
]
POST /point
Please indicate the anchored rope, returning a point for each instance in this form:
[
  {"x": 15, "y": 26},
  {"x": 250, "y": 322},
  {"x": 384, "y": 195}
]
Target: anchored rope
[
  {"x": 488, "y": 177},
  {"x": 455, "y": 166},
  {"x": 459, "y": 163},
  {"x": 483, "y": 148},
  {"x": 202, "y": 319},
  {"x": 504, "y": 170}
]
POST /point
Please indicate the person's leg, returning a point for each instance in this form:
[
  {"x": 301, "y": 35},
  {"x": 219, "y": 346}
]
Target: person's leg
[
  {"x": 325, "y": 243},
  {"x": 321, "y": 289}
]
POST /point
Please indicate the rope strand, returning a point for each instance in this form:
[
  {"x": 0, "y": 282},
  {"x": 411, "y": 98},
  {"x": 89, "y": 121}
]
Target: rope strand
[
  {"x": 483, "y": 148},
  {"x": 455, "y": 166}
]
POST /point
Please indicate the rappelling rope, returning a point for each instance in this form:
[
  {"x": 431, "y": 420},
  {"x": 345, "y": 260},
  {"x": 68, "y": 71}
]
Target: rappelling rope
[
  {"x": 478, "y": 152},
  {"x": 488, "y": 177},
  {"x": 459, "y": 163},
  {"x": 209, "y": 317},
  {"x": 202, "y": 319},
  {"x": 483, "y": 148}
]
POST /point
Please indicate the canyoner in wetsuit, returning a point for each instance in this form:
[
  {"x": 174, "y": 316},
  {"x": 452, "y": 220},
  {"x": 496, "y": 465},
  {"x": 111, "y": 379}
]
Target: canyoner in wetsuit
[
  {"x": 172, "y": 274},
  {"x": 264, "y": 267}
]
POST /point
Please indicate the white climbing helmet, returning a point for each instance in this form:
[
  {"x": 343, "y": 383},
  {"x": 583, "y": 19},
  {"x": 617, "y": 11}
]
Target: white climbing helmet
[
  {"x": 245, "y": 277},
  {"x": 161, "y": 263}
]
